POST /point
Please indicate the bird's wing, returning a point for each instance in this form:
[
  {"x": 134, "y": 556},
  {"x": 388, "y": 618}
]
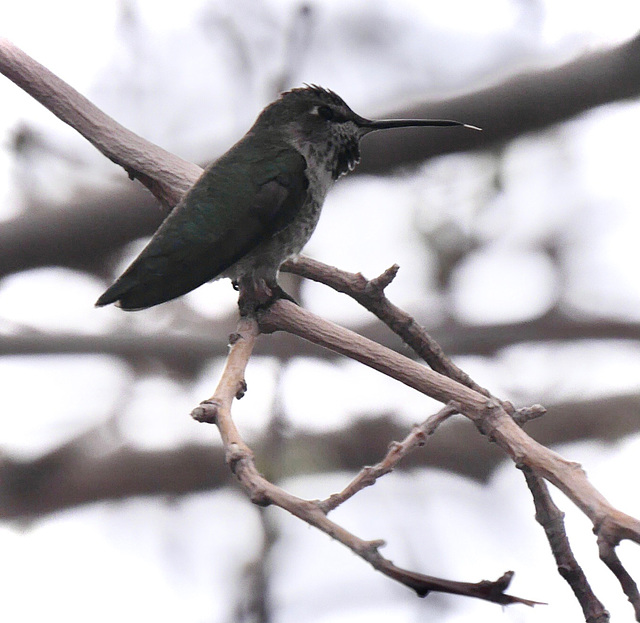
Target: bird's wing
[{"x": 239, "y": 201}]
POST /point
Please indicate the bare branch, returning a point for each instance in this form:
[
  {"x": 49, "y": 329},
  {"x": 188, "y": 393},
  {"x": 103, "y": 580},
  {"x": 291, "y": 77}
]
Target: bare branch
[
  {"x": 523, "y": 103},
  {"x": 488, "y": 415},
  {"x": 164, "y": 174},
  {"x": 551, "y": 519},
  {"x": 194, "y": 346},
  {"x": 606, "y": 546},
  {"x": 397, "y": 451},
  {"x": 75, "y": 475},
  {"x": 370, "y": 294},
  {"x": 517, "y": 105},
  {"x": 239, "y": 457}
]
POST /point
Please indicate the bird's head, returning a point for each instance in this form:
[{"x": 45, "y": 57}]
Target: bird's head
[{"x": 320, "y": 124}]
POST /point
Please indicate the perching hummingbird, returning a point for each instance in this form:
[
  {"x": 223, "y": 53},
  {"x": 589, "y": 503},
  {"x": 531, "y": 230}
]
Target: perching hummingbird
[{"x": 257, "y": 205}]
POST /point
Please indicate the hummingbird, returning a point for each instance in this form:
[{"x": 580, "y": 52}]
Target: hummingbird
[{"x": 255, "y": 206}]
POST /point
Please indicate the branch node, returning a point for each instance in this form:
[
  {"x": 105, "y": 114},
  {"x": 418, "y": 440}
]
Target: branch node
[
  {"x": 242, "y": 389},
  {"x": 502, "y": 583},
  {"x": 486, "y": 424},
  {"x": 372, "y": 547},
  {"x": 327, "y": 505},
  {"x": 260, "y": 497},
  {"x": 419, "y": 434},
  {"x": 206, "y": 412},
  {"x": 359, "y": 282},
  {"x": 235, "y": 454},
  {"x": 380, "y": 282},
  {"x": 491, "y": 404},
  {"x": 526, "y": 414}
]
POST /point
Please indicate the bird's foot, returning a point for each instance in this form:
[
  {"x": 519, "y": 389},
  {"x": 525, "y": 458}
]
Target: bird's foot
[
  {"x": 259, "y": 294},
  {"x": 279, "y": 293}
]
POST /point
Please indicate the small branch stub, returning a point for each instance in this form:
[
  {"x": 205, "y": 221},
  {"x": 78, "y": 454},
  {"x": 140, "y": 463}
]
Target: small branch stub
[
  {"x": 381, "y": 282},
  {"x": 206, "y": 412},
  {"x": 242, "y": 389}
]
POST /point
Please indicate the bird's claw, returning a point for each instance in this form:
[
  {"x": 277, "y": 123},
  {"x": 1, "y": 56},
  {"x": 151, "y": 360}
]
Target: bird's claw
[{"x": 256, "y": 295}]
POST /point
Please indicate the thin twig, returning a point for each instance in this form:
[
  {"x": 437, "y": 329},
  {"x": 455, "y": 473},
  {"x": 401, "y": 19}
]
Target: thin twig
[
  {"x": 606, "y": 547},
  {"x": 551, "y": 518},
  {"x": 370, "y": 294},
  {"x": 239, "y": 457},
  {"x": 488, "y": 415},
  {"x": 397, "y": 451}
]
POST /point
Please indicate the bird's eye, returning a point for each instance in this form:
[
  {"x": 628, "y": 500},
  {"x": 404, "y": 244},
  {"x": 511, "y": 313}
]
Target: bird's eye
[{"x": 326, "y": 113}]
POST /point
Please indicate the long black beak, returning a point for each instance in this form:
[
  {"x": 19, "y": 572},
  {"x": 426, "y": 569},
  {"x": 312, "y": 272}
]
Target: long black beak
[{"x": 386, "y": 124}]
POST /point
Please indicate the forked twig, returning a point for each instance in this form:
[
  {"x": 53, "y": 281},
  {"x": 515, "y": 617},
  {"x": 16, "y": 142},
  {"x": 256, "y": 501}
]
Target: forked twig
[
  {"x": 370, "y": 294},
  {"x": 239, "y": 457}
]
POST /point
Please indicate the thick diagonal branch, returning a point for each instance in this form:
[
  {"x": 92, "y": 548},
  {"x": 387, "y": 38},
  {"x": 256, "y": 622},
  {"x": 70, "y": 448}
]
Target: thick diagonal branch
[
  {"x": 486, "y": 413},
  {"x": 166, "y": 175}
]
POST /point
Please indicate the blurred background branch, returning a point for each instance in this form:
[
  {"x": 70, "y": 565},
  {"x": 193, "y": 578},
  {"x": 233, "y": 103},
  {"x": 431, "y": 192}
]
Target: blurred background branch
[{"x": 518, "y": 105}]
